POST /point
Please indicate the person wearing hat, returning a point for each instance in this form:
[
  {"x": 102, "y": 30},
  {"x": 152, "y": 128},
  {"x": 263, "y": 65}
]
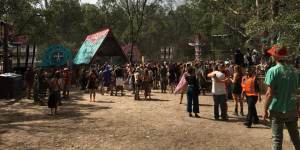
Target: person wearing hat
[{"x": 282, "y": 103}]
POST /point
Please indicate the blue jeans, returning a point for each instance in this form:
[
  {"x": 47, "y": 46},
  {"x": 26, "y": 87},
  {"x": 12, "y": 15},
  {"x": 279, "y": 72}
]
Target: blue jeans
[
  {"x": 220, "y": 101},
  {"x": 252, "y": 113},
  {"x": 192, "y": 100},
  {"x": 278, "y": 120}
]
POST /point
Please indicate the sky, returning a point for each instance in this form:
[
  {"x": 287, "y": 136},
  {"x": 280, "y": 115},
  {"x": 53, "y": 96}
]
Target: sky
[{"x": 89, "y": 1}]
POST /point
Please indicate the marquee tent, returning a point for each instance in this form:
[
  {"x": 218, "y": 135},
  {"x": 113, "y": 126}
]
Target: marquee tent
[
  {"x": 99, "y": 46},
  {"x": 137, "y": 56}
]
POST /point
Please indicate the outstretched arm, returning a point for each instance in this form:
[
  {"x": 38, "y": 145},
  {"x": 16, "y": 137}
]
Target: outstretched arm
[{"x": 212, "y": 74}]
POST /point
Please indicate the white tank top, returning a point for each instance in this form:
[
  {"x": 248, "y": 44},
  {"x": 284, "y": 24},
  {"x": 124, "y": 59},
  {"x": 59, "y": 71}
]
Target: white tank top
[{"x": 218, "y": 88}]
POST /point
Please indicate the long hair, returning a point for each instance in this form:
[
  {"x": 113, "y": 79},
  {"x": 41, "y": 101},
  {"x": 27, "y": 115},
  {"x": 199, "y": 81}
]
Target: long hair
[
  {"x": 237, "y": 69},
  {"x": 190, "y": 70}
]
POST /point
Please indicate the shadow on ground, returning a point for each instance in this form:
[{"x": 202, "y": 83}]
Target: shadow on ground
[
  {"x": 24, "y": 116},
  {"x": 29, "y": 117},
  {"x": 153, "y": 100},
  {"x": 109, "y": 102},
  {"x": 7, "y": 103},
  {"x": 209, "y": 105},
  {"x": 69, "y": 110}
]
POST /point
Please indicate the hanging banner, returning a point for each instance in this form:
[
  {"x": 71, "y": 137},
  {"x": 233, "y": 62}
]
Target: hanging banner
[
  {"x": 90, "y": 46},
  {"x": 56, "y": 56}
]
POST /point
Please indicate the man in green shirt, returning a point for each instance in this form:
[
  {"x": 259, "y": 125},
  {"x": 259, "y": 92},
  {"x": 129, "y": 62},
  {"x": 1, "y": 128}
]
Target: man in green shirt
[{"x": 281, "y": 98}]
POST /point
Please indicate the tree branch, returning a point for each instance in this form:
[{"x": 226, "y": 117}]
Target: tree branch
[{"x": 235, "y": 29}]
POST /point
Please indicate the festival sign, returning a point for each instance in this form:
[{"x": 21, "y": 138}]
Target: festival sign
[
  {"x": 89, "y": 48},
  {"x": 56, "y": 55}
]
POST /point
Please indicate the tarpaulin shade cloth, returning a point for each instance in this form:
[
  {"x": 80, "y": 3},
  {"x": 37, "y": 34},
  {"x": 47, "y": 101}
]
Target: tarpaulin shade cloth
[{"x": 100, "y": 44}]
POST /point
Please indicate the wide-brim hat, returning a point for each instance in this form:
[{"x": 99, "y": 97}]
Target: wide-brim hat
[{"x": 278, "y": 51}]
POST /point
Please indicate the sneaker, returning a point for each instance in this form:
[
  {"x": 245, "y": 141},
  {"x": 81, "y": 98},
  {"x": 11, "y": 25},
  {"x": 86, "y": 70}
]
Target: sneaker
[
  {"x": 197, "y": 116},
  {"x": 225, "y": 119},
  {"x": 247, "y": 125},
  {"x": 256, "y": 122},
  {"x": 242, "y": 113},
  {"x": 235, "y": 113},
  {"x": 190, "y": 115}
]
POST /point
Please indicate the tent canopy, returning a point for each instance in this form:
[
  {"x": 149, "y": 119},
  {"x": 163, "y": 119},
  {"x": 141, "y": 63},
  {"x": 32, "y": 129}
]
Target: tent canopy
[
  {"x": 100, "y": 44},
  {"x": 137, "y": 56}
]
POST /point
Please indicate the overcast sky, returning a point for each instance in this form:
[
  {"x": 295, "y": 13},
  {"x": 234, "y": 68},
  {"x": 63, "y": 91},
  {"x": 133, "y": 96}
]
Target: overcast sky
[{"x": 89, "y": 1}]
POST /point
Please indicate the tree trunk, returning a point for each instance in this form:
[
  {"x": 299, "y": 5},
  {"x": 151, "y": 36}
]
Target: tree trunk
[
  {"x": 257, "y": 8},
  {"x": 46, "y": 4},
  {"x": 33, "y": 55},
  {"x": 131, "y": 52},
  {"x": 135, "y": 11},
  {"x": 18, "y": 56},
  {"x": 132, "y": 41},
  {"x": 272, "y": 9},
  {"x": 5, "y": 49},
  {"x": 275, "y": 4},
  {"x": 27, "y": 56}
]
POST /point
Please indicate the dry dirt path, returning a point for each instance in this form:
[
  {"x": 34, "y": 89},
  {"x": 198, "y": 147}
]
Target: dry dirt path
[{"x": 120, "y": 123}]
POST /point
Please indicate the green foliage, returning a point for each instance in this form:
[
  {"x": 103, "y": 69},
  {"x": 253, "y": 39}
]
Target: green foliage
[{"x": 223, "y": 24}]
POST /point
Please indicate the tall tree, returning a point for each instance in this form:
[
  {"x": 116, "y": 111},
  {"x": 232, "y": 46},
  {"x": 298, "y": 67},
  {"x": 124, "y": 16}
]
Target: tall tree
[{"x": 135, "y": 10}]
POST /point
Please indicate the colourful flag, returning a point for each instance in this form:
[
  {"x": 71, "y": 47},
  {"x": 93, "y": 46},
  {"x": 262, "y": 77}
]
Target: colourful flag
[{"x": 182, "y": 85}]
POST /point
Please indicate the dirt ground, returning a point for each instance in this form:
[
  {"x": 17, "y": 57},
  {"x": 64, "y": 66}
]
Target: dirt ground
[{"x": 120, "y": 123}]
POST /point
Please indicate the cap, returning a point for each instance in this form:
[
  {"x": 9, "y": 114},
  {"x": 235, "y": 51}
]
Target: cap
[{"x": 277, "y": 51}]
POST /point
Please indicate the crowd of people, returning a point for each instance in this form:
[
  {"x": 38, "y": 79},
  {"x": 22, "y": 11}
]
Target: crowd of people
[
  {"x": 236, "y": 79},
  {"x": 140, "y": 79}
]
